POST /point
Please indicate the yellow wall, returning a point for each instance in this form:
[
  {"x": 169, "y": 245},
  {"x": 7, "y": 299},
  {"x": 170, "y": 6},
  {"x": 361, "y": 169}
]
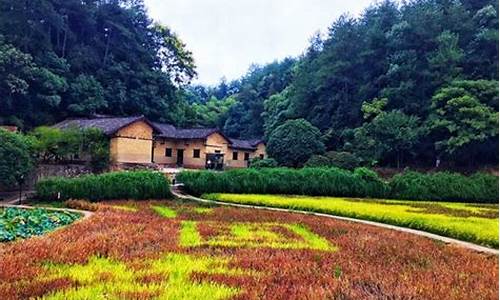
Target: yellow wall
[
  {"x": 132, "y": 144},
  {"x": 214, "y": 142},
  {"x": 241, "y": 162},
  {"x": 261, "y": 149}
]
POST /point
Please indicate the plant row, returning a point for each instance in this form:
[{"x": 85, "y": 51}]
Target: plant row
[
  {"x": 116, "y": 185},
  {"x": 362, "y": 182}
]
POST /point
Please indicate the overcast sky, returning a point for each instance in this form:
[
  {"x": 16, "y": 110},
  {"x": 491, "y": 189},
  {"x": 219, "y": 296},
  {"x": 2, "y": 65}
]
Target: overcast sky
[{"x": 226, "y": 36}]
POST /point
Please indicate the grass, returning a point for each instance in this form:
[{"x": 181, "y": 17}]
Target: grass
[
  {"x": 253, "y": 235},
  {"x": 468, "y": 222},
  {"x": 164, "y": 211},
  {"x": 168, "y": 277},
  {"x": 235, "y": 253}
]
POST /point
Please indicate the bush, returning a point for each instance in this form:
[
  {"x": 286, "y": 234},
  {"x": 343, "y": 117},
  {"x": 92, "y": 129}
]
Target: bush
[
  {"x": 306, "y": 181},
  {"x": 16, "y": 157},
  {"x": 294, "y": 142},
  {"x": 361, "y": 182},
  {"x": 115, "y": 185},
  {"x": 318, "y": 161},
  {"x": 259, "y": 163},
  {"x": 445, "y": 186},
  {"x": 343, "y": 160}
]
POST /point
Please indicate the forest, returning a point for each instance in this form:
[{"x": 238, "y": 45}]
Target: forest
[{"x": 411, "y": 83}]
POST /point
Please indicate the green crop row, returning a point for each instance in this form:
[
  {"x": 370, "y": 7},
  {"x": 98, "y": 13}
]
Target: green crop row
[
  {"x": 468, "y": 222},
  {"x": 116, "y": 185},
  {"x": 361, "y": 182}
]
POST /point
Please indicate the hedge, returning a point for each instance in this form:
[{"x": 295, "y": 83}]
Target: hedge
[
  {"x": 306, "y": 181},
  {"x": 116, "y": 185},
  {"x": 362, "y": 182}
]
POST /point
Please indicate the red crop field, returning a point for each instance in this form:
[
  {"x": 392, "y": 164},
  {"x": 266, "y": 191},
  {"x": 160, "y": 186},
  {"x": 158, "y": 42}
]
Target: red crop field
[{"x": 173, "y": 250}]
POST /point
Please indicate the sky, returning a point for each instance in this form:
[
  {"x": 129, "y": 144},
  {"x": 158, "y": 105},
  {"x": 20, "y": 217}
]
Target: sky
[{"x": 227, "y": 36}]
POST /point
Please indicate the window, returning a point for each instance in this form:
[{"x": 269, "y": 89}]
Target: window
[
  {"x": 247, "y": 156},
  {"x": 196, "y": 153},
  {"x": 261, "y": 156},
  {"x": 217, "y": 151},
  {"x": 235, "y": 155},
  {"x": 168, "y": 152}
]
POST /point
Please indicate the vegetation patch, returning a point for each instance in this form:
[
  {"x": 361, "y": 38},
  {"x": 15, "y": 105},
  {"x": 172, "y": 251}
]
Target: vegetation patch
[
  {"x": 168, "y": 277},
  {"x": 253, "y": 235},
  {"x": 22, "y": 223},
  {"x": 164, "y": 211},
  {"x": 119, "y": 254},
  {"x": 361, "y": 182},
  {"x": 476, "y": 224},
  {"x": 116, "y": 185},
  {"x": 203, "y": 210}
]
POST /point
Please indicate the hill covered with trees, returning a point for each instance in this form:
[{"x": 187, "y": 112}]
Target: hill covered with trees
[{"x": 404, "y": 83}]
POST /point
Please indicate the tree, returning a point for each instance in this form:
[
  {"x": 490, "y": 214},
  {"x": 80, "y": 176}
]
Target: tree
[
  {"x": 390, "y": 135},
  {"x": 86, "y": 96},
  {"x": 16, "y": 157},
  {"x": 294, "y": 142},
  {"x": 465, "y": 112}
]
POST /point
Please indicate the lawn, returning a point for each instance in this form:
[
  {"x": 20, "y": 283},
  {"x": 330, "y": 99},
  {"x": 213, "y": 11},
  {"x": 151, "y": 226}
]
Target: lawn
[
  {"x": 477, "y": 223},
  {"x": 179, "y": 250}
]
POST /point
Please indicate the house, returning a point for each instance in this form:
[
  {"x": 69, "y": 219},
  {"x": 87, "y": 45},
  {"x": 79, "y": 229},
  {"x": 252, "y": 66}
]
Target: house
[{"x": 136, "y": 140}]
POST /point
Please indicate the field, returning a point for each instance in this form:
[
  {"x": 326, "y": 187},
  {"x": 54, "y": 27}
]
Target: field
[
  {"x": 175, "y": 250},
  {"x": 476, "y": 223}
]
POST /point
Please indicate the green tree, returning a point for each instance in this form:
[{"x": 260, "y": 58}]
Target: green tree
[
  {"x": 390, "y": 135},
  {"x": 16, "y": 157},
  {"x": 294, "y": 142},
  {"x": 86, "y": 96},
  {"x": 465, "y": 112}
]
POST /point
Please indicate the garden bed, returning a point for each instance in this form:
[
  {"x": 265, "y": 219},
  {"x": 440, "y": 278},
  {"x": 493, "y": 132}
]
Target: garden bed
[
  {"x": 476, "y": 223},
  {"x": 19, "y": 223},
  {"x": 170, "y": 250}
]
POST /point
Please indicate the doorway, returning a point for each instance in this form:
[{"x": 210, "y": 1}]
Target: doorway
[{"x": 180, "y": 157}]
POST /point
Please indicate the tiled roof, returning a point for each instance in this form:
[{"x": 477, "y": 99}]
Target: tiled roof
[
  {"x": 169, "y": 131},
  {"x": 109, "y": 125},
  {"x": 245, "y": 144}
]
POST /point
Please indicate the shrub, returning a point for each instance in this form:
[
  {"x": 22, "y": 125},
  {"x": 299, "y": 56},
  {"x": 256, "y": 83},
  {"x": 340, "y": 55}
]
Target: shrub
[
  {"x": 294, "y": 142},
  {"x": 445, "y": 186},
  {"x": 318, "y": 161},
  {"x": 259, "y": 163},
  {"x": 343, "y": 160},
  {"x": 115, "y": 185},
  {"x": 361, "y": 182},
  {"x": 306, "y": 181},
  {"x": 16, "y": 157}
]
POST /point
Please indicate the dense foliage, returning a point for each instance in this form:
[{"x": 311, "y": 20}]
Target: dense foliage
[
  {"x": 16, "y": 157},
  {"x": 292, "y": 143},
  {"x": 53, "y": 145},
  {"x": 307, "y": 181},
  {"x": 343, "y": 160},
  {"x": 411, "y": 83},
  {"x": 72, "y": 58},
  {"x": 433, "y": 65},
  {"x": 477, "y": 224},
  {"x": 116, "y": 185},
  {"x": 361, "y": 182},
  {"x": 22, "y": 223}
]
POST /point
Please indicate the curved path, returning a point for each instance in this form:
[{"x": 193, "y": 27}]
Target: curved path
[{"x": 176, "y": 192}]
